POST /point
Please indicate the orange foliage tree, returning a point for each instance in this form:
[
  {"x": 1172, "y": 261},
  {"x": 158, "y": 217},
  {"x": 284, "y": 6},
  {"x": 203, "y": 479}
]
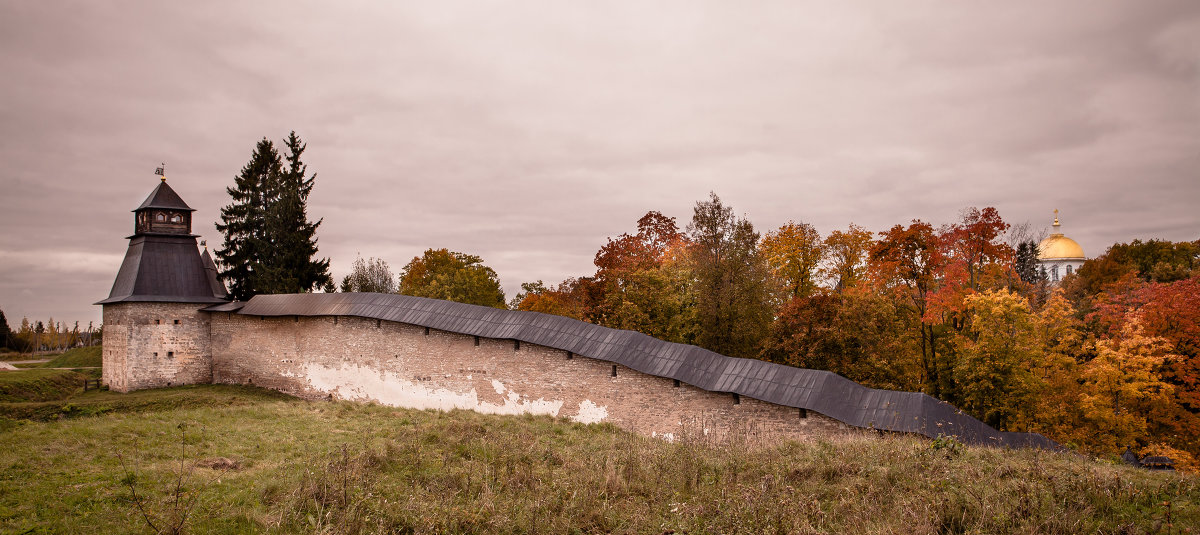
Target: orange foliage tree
[
  {"x": 644, "y": 283},
  {"x": 905, "y": 264}
]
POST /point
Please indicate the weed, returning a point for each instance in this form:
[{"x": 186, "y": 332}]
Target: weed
[
  {"x": 169, "y": 515},
  {"x": 947, "y": 443}
]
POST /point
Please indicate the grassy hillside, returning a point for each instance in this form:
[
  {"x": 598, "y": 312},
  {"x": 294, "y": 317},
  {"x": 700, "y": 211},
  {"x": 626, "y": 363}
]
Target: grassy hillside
[
  {"x": 39, "y": 385},
  {"x": 80, "y": 357},
  {"x": 254, "y": 460}
]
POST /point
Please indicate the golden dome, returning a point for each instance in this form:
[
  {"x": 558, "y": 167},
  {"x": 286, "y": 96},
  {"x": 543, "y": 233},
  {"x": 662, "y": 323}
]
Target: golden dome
[{"x": 1059, "y": 247}]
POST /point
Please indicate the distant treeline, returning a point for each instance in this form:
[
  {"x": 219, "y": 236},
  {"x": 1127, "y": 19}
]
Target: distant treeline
[{"x": 48, "y": 336}]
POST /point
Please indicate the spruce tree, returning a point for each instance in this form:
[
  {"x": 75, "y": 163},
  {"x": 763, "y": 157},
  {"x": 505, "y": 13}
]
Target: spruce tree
[
  {"x": 269, "y": 243},
  {"x": 5, "y": 331},
  {"x": 243, "y": 222},
  {"x": 292, "y": 266},
  {"x": 1026, "y": 264}
]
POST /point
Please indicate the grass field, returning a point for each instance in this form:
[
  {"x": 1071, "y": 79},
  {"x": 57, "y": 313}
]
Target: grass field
[
  {"x": 256, "y": 461},
  {"x": 79, "y": 357}
]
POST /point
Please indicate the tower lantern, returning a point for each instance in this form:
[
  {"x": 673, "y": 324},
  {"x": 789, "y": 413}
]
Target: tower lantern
[{"x": 163, "y": 212}]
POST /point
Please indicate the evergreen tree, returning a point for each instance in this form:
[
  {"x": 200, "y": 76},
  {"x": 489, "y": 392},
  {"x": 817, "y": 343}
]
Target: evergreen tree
[
  {"x": 1027, "y": 262},
  {"x": 291, "y": 267},
  {"x": 5, "y": 331},
  {"x": 269, "y": 243},
  {"x": 38, "y": 339},
  {"x": 243, "y": 222}
]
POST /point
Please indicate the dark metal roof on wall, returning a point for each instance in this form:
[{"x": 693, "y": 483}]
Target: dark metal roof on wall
[
  {"x": 164, "y": 197},
  {"x": 163, "y": 268},
  {"x": 822, "y": 391}
]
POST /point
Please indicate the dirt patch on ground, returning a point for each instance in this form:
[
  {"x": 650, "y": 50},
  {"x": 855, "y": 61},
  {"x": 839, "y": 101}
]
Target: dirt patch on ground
[{"x": 220, "y": 463}]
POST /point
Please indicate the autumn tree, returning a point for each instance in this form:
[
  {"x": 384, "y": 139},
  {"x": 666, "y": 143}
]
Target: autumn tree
[
  {"x": 846, "y": 254},
  {"x": 794, "y": 252},
  {"x": 857, "y": 334},
  {"x": 976, "y": 257},
  {"x": 1158, "y": 260},
  {"x": 1060, "y": 340},
  {"x": 995, "y": 364},
  {"x": 1171, "y": 312},
  {"x": 1149, "y": 261},
  {"x": 453, "y": 276},
  {"x": 372, "y": 275},
  {"x": 976, "y": 244},
  {"x": 25, "y": 336},
  {"x": 573, "y": 298},
  {"x": 1122, "y": 386},
  {"x": 733, "y": 310},
  {"x": 645, "y": 282},
  {"x": 642, "y": 250},
  {"x": 905, "y": 263},
  {"x": 805, "y": 335}
]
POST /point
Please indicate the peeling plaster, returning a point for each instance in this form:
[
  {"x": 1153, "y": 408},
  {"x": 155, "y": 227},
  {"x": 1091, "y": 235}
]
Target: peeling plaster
[
  {"x": 590, "y": 413},
  {"x": 362, "y": 383}
]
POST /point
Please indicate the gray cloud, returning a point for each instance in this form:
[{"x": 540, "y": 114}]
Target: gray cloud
[{"x": 528, "y": 132}]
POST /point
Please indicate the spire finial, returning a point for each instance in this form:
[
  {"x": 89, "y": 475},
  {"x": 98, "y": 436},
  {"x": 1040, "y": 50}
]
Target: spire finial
[
  {"x": 1055, "y": 215},
  {"x": 162, "y": 171}
]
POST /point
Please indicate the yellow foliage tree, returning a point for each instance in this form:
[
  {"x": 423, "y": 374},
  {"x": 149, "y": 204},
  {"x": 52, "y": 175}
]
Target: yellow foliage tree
[
  {"x": 794, "y": 252},
  {"x": 1122, "y": 386},
  {"x": 996, "y": 360},
  {"x": 846, "y": 255},
  {"x": 1060, "y": 335}
]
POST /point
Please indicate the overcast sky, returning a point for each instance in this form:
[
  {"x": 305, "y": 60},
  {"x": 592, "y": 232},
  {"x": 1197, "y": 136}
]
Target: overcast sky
[{"x": 528, "y": 132}]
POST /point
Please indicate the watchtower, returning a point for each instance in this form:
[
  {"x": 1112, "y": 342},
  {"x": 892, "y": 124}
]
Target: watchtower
[{"x": 155, "y": 333}]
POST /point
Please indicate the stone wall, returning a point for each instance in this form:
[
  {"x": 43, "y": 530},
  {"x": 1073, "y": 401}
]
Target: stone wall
[
  {"x": 409, "y": 366},
  {"x": 152, "y": 345}
]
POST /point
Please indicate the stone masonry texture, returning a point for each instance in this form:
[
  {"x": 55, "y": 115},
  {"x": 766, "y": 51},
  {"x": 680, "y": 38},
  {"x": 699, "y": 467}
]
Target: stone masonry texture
[
  {"x": 406, "y": 365},
  {"x": 153, "y": 345}
]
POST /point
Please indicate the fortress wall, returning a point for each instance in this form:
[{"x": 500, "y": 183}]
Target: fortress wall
[
  {"x": 144, "y": 347},
  {"x": 399, "y": 364}
]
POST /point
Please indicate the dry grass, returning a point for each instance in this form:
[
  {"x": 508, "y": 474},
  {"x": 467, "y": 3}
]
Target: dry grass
[{"x": 270, "y": 465}]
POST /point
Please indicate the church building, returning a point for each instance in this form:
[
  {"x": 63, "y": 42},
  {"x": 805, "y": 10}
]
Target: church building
[{"x": 1059, "y": 255}]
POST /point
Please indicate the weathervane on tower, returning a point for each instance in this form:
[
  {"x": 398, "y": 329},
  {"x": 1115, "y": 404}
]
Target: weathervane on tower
[{"x": 162, "y": 171}]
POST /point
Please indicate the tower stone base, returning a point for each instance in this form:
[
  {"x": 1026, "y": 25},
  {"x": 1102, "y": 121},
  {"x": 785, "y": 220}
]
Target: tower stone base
[{"x": 154, "y": 345}]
